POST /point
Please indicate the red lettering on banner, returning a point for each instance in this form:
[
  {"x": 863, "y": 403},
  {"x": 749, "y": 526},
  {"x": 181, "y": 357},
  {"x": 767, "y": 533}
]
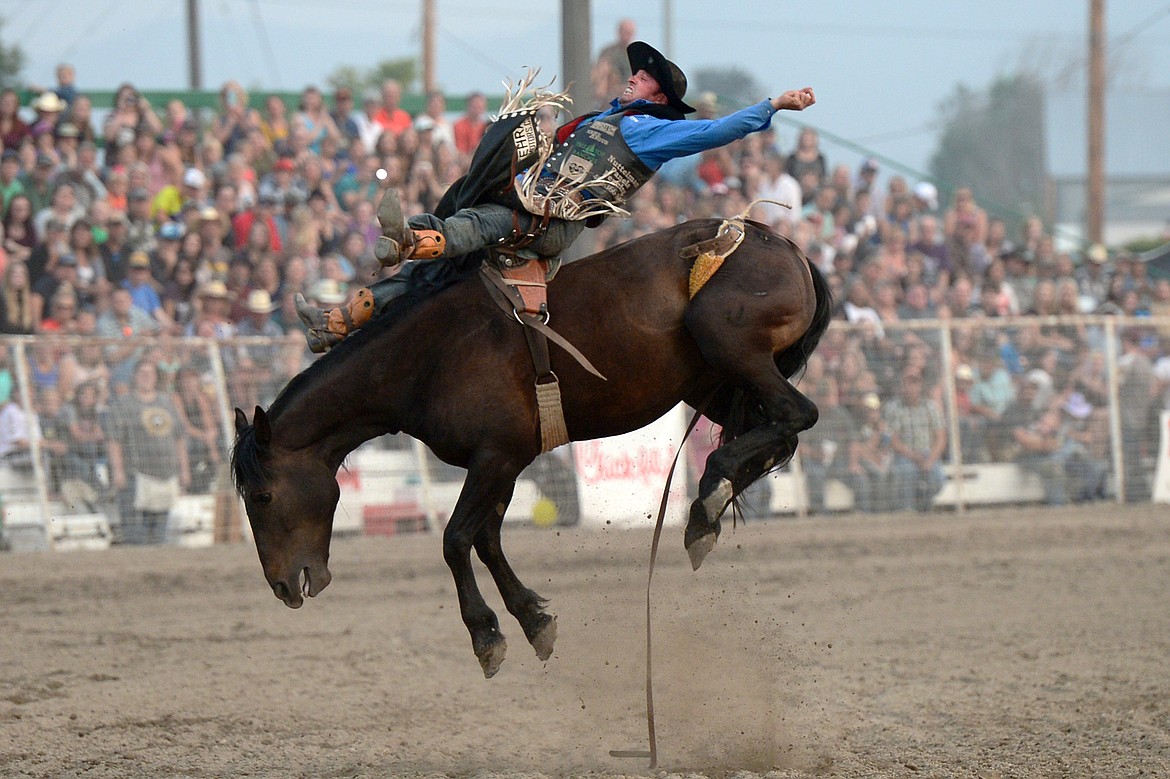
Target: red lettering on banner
[{"x": 644, "y": 464}]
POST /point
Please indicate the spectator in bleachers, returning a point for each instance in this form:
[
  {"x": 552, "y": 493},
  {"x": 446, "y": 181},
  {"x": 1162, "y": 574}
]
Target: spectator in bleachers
[
  {"x": 123, "y": 319},
  {"x": 470, "y": 127},
  {"x": 262, "y": 212},
  {"x": 62, "y": 274},
  {"x": 612, "y": 68},
  {"x": 1039, "y": 443},
  {"x": 131, "y": 116},
  {"x": 62, "y": 207},
  {"x": 10, "y": 183},
  {"x": 824, "y": 448},
  {"x": 18, "y": 315},
  {"x": 62, "y": 315},
  {"x": 200, "y": 429},
  {"x": 86, "y": 456},
  {"x": 1085, "y": 431},
  {"x": 870, "y": 457},
  {"x": 85, "y": 363},
  {"x": 1135, "y": 392},
  {"x": 806, "y": 163},
  {"x": 13, "y": 129},
  {"x": 17, "y": 431},
  {"x": 54, "y": 436},
  {"x": 92, "y": 283},
  {"x": 314, "y": 117},
  {"x": 37, "y": 182},
  {"x": 148, "y": 457},
  {"x": 918, "y": 440}
]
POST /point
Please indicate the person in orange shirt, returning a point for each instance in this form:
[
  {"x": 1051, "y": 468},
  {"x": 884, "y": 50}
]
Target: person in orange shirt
[
  {"x": 392, "y": 118},
  {"x": 470, "y": 127}
]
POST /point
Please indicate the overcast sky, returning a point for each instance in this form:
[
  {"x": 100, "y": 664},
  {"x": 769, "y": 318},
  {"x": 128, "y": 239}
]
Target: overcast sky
[{"x": 880, "y": 69}]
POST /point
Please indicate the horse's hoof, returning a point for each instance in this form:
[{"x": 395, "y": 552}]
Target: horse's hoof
[
  {"x": 492, "y": 656},
  {"x": 544, "y": 639},
  {"x": 698, "y": 549}
]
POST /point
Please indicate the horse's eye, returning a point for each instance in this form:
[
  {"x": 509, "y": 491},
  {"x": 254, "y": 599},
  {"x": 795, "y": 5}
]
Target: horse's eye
[{"x": 263, "y": 498}]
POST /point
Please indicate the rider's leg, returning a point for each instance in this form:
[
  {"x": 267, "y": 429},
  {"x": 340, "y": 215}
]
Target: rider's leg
[
  {"x": 484, "y": 226},
  {"x": 327, "y": 328}
]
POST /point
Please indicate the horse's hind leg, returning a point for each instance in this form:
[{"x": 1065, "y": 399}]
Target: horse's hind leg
[
  {"x": 525, "y": 605},
  {"x": 729, "y": 471},
  {"x": 487, "y": 489},
  {"x": 731, "y": 468}
]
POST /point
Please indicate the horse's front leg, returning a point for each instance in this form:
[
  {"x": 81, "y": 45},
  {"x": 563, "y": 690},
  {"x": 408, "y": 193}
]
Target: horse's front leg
[
  {"x": 489, "y": 485},
  {"x": 525, "y": 605}
]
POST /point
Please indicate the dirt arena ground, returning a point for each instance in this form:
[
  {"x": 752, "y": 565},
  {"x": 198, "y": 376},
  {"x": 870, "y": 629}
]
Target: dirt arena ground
[{"x": 1021, "y": 643}]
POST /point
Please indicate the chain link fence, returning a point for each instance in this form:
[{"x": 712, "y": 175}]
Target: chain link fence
[{"x": 126, "y": 440}]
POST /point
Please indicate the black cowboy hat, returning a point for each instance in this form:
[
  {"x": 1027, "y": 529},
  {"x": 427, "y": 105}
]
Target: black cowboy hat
[{"x": 669, "y": 76}]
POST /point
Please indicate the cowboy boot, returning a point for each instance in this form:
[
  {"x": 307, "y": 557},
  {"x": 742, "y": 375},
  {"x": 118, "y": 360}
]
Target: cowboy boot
[
  {"x": 327, "y": 328},
  {"x": 399, "y": 241}
]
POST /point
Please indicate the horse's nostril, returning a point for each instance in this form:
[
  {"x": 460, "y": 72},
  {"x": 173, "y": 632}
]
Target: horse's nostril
[{"x": 281, "y": 591}]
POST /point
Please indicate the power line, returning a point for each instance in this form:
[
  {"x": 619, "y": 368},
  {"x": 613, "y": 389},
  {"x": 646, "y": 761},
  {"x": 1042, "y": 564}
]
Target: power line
[{"x": 265, "y": 43}]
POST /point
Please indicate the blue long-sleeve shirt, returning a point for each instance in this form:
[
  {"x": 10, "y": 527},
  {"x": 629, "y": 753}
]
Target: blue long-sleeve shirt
[{"x": 656, "y": 141}]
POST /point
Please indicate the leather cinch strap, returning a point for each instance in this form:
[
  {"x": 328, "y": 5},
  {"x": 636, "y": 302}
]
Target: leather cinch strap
[{"x": 553, "y": 430}]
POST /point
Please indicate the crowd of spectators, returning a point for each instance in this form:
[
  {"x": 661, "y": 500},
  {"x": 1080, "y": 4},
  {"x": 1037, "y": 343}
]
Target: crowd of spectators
[{"x": 164, "y": 221}]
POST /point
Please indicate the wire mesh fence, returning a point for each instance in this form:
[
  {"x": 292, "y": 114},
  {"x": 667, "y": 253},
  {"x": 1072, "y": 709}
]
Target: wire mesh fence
[{"x": 125, "y": 440}]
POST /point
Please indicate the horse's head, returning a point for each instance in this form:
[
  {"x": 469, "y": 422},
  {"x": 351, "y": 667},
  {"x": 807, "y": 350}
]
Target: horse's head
[{"x": 290, "y": 498}]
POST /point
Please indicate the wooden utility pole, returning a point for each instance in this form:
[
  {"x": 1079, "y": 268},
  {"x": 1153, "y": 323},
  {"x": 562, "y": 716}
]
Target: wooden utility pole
[
  {"x": 1095, "y": 212},
  {"x": 576, "y": 64},
  {"x": 576, "y": 18},
  {"x": 194, "y": 67},
  {"x": 668, "y": 28},
  {"x": 429, "y": 81}
]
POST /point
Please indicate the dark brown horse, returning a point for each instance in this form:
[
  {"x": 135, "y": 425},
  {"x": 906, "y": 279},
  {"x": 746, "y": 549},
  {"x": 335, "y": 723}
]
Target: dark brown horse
[{"x": 452, "y": 370}]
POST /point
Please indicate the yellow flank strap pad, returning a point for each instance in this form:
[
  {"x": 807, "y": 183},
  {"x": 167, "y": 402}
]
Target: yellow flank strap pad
[{"x": 703, "y": 269}]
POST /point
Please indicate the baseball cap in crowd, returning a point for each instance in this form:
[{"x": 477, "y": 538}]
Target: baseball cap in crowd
[
  {"x": 67, "y": 130},
  {"x": 67, "y": 260},
  {"x": 423, "y": 123},
  {"x": 871, "y": 401},
  {"x": 138, "y": 193},
  {"x": 285, "y": 164},
  {"x": 266, "y": 198},
  {"x": 1097, "y": 253},
  {"x": 139, "y": 259},
  {"x": 927, "y": 193},
  {"x": 209, "y": 214},
  {"x": 869, "y": 165},
  {"x": 170, "y": 231},
  {"x": 45, "y": 161},
  {"x": 964, "y": 373},
  {"x": 193, "y": 177}
]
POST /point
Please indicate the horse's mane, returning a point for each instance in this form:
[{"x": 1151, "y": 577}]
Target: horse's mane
[
  {"x": 350, "y": 346},
  {"x": 247, "y": 461}
]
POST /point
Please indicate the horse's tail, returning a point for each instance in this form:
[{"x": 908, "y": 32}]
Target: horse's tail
[{"x": 740, "y": 408}]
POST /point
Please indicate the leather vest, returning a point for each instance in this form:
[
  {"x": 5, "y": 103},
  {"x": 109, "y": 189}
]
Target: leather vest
[{"x": 595, "y": 149}]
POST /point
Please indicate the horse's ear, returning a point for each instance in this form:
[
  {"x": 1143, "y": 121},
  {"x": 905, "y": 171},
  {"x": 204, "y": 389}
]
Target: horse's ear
[
  {"x": 241, "y": 422},
  {"x": 263, "y": 429}
]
